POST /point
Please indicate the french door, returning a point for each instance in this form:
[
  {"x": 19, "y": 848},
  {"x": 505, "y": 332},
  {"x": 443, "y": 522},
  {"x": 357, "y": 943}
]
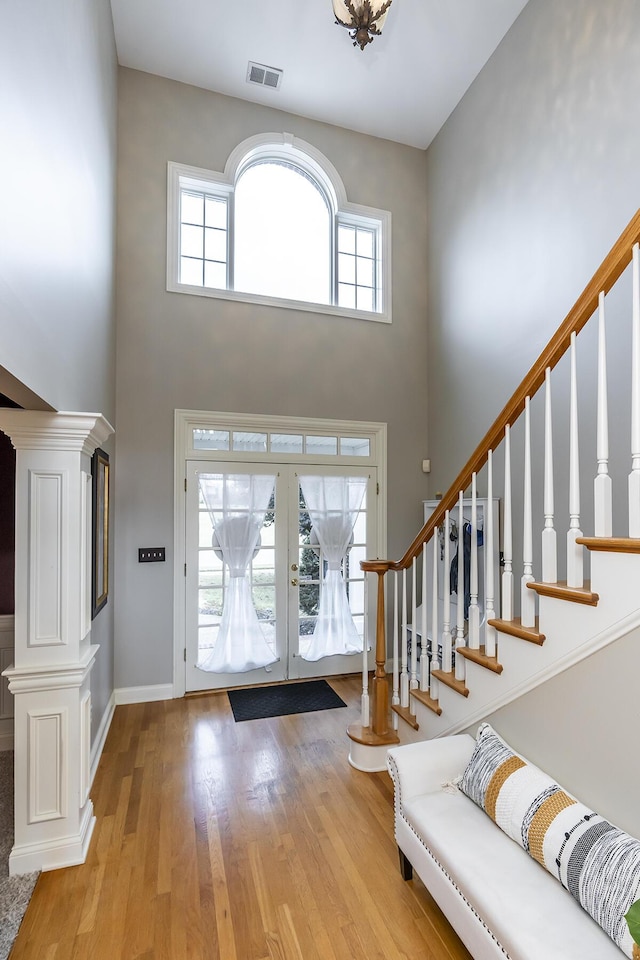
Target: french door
[{"x": 303, "y": 596}]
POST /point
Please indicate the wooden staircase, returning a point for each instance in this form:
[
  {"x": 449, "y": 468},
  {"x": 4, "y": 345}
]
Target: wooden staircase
[{"x": 446, "y": 676}]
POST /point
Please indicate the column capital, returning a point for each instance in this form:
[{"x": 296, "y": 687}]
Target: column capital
[{"x": 44, "y": 430}]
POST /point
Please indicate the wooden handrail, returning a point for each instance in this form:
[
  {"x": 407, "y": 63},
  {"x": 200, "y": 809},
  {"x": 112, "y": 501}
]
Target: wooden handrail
[{"x": 616, "y": 261}]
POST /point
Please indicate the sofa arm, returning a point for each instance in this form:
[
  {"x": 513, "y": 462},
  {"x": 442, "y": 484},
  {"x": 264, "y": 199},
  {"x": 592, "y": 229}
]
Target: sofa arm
[{"x": 423, "y": 767}]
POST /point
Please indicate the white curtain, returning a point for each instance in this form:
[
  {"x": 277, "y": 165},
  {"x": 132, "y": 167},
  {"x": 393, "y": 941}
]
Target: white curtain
[
  {"x": 237, "y": 505},
  {"x": 333, "y": 504}
]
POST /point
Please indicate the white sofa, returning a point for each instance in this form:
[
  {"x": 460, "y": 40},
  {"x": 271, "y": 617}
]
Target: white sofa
[{"x": 500, "y": 902}]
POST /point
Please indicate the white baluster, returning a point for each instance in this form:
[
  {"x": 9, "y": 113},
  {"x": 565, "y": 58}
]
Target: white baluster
[
  {"x": 459, "y": 661},
  {"x": 434, "y": 688},
  {"x": 424, "y": 646},
  {"x": 634, "y": 476},
  {"x": 527, "y": 597},
  {"x": 575, "y": 575},
  {"x": 549, "y": 538},
  {"x": 507, "y": 571},
  {"x": 602, "y": 492},
  {"x": 446, "y": 625},
  {"x": 413, "y": 684},
  {"x": 434, "y": 601},
  {"x": 474, "y": 609},
  {"x": 489, "y": 631},
  {"x": 395, "y": 695},
  {"x": 404, "y": 676}
]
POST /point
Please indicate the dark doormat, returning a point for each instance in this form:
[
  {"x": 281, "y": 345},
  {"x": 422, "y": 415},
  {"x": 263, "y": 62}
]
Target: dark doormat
[{"x": 257, "y": 703}]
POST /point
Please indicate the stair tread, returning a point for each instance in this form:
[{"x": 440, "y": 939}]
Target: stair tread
[
  {"x": 560, "y": 591},
  {"x": 423, "y": 697},
  {"x": 514, "y": 628},
  {"x": 611, "y": 544},
  {"x": 480, "y": 657},
  {"x": 406, "y": 715},
  {"x": 449, "y": 680}
]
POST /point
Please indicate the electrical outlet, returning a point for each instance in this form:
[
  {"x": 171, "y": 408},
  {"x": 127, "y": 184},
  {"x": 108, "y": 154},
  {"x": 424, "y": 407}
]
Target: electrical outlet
[{"x": 151, "y": 554}]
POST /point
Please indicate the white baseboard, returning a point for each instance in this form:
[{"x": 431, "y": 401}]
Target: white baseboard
[
  {"x": 160, "y": 691},
  {"x": 101, "y": 736},
  {"x": 53, "y": 854}
]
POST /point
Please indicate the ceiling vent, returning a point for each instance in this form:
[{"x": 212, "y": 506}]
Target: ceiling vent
[{"x": 264, "y": 76}]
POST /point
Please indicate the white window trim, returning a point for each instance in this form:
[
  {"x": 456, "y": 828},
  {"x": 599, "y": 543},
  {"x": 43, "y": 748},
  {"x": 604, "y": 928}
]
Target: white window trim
[
  {"x": 187, "y": 420},
  {"x": 322, "y": 170}
]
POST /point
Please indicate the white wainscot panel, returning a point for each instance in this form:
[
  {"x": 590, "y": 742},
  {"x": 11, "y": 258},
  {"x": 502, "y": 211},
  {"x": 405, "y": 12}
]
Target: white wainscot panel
[
  {"x": 85, "y": 747},
  {"x": 47, "y": 734},
  {"x": 46, "y": 524}
]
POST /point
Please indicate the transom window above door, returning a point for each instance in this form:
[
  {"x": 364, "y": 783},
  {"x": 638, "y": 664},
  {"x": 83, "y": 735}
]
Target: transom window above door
[
  {"x": 276, "y": 228},
  {"x": 243, "y": 441}
]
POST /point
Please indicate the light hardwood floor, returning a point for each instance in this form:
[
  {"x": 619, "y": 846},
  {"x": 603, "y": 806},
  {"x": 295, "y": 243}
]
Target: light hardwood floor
[{"x": 235, "y": 841}]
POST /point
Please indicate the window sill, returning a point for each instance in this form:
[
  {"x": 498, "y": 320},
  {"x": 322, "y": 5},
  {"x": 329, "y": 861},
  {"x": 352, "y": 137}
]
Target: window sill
[{"x": 325, "y": 308}]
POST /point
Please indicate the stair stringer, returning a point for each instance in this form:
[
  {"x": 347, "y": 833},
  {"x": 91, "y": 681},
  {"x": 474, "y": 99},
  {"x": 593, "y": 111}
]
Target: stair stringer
[{"x": 573, "y": 632}]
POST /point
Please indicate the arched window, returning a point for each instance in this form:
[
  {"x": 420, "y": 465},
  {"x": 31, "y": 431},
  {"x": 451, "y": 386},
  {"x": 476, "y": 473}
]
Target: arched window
[
  {"x": 282, "y": 233},
  {"x": 276, "y": 228}
]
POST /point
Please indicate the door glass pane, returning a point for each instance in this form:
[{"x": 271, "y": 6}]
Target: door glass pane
[
  {"x": 328, "y": 509},
  {"x": 236, "y": 573}
]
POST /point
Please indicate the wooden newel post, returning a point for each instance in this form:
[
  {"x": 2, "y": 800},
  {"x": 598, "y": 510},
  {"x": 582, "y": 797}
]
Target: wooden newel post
[
  {"x": 380, "y": 706},
  {"x": 377, "y": 733}
]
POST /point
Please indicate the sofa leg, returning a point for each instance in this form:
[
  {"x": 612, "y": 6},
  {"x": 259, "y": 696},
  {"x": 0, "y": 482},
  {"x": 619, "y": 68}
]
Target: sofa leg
[{"x": 406, "y": 868}]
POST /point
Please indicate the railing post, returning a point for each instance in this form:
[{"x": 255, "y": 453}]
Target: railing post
[{"x": 380, "y": 708}]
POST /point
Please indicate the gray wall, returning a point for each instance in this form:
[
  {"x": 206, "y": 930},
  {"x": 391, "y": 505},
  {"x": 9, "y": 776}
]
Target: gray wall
[
  {"x": 575, "y": 727},
  {"x": 57, "y": 191},
  {"x": 181, "y": 351},
  {"x": 529, "y": 183}
]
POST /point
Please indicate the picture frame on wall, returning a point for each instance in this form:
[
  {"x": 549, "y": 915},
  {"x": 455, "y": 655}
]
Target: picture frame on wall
[{"x": 100, "y": 531}]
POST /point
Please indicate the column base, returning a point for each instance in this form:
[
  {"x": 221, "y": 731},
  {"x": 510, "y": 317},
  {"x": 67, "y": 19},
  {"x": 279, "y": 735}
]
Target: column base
[{"x": 53, "y": 854}]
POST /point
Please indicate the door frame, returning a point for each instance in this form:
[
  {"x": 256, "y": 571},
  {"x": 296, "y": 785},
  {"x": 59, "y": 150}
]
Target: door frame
[{"x": 186, "y": 421}]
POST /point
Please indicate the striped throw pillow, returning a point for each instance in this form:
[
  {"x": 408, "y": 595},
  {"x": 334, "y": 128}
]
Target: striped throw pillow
[{"x": 596, "y": 862}]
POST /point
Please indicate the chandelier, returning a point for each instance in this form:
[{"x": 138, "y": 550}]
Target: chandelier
[{"x": 363, "y": 19}]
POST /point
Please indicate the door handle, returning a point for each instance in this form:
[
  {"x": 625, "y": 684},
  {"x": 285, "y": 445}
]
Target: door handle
[{"x": 294, "y": 582}]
